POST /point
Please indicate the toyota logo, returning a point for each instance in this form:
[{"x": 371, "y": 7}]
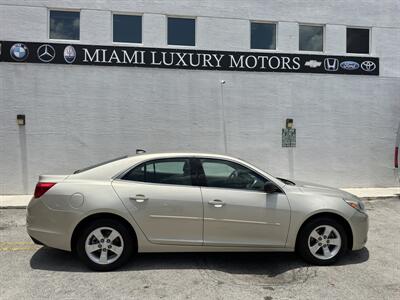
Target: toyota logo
[
  {"x": 46, "y": 53},
  {"x": 368, "y": 66}
]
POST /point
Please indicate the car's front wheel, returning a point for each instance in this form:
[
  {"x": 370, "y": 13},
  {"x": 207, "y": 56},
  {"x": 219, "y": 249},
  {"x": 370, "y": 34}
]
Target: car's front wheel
[
  {"x": 105, "y": 245},
  {"x": 322, "y": 241}
]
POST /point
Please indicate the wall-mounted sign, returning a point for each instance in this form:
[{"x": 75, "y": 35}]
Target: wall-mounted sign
[
  {"x": 288, "y": 137},
  {"x": 52, "y": 53}
]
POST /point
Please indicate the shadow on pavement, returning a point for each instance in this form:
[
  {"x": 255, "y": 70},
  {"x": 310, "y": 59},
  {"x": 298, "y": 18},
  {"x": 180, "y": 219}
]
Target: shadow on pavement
[{"x": 266, "y": 263}]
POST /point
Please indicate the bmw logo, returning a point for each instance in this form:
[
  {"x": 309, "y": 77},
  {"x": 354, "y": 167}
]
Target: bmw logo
[
  {"x": 69, "y": 54},
  {"x": 19, "y": 52}
]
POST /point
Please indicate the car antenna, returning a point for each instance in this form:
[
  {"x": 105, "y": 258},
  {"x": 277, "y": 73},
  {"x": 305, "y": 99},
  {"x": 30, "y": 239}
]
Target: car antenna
[{"x": 140, "y": 151}]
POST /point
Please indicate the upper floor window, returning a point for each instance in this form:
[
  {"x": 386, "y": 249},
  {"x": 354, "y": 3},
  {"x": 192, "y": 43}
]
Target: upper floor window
[
  {"x": 165, "y": 171},
  {"x": 311, "y": 38},
  {"x": 263, "y": 36},
  {"x": 181, "y": 31},
  {"x": 64, "y": 25},
  {"x": 127, "y": 28},
  {"x": 357, "y": 40}
]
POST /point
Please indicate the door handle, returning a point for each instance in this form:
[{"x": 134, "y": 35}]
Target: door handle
[
  {"x": 139, "y": 198},
  {"x": 216, "y": 203}
]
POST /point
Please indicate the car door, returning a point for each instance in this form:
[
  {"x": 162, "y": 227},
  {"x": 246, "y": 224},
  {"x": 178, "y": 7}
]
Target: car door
[
  {"x": 161, "y": 198},
  {"x": 237, "y": 211}
]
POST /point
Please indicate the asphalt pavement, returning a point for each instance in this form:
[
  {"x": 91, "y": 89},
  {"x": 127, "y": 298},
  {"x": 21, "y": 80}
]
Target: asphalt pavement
[{"x": 28, "y": 271}]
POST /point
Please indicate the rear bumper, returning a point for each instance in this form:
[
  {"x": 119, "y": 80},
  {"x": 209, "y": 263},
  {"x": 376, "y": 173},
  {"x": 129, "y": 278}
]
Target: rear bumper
[
  {"x": 49, "y": 227},
  {"x": 359, "y": 225}
]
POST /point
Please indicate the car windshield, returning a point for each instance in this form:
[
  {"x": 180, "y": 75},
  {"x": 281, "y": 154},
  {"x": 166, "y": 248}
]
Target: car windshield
[{"x": 99, "y": 164}]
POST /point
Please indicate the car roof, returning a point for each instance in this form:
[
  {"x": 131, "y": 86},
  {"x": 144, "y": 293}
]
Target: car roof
[
  {"x": 180, "y": 154},
  {"x": 117, "y": 166}
]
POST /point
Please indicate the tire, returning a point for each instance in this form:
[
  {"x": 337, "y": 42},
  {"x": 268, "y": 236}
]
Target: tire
[
  {"x": 99, "y": 252},
  {"x": 320, "y": 247}
]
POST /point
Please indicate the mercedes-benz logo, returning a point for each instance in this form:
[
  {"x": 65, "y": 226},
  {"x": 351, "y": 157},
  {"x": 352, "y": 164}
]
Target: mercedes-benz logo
[
  {"x": 368, "y": 66},
  {"x": 46, "y": 53}
]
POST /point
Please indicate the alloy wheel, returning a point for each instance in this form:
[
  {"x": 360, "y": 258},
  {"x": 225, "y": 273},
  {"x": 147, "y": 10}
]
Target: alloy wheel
[
  {"x": 324, "y": 242},
  {"x": 104, "y": 245}
]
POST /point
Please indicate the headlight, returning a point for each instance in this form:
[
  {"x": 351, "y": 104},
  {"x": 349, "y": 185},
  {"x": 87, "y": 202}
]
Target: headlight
[{"x": 357, "y": 204}]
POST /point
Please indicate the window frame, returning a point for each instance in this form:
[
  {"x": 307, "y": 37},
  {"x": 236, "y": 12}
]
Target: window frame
[
  {"x": 323, "y": 37},
  {"x": 154, "y": 160},
  {"x": 202, "y": 183},
  {"x": 369, "y": 40},
  {"x": 125, "y": 14},
  {"x": 195, "y": 32},
  {"x": 276, "y": 35},
  {"x": 196, "y": 166},
  {"x": 49, "y": 9}
]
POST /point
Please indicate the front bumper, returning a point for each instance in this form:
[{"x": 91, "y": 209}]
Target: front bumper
[
  {"x": 49, "y": 227},
  {"x": 359, "y": 225}
]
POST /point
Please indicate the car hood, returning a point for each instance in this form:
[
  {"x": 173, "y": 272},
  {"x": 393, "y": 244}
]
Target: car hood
[{"x": 309, "y": 187}]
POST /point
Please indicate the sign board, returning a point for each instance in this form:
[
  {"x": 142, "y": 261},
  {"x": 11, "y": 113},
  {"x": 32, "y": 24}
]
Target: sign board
[
  {"x": 288, "y": 137},
  {"x": 77, "y": 54}
]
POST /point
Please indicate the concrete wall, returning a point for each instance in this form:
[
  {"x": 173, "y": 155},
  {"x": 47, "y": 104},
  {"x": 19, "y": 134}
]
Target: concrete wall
[{"x": 79, "y": 115}]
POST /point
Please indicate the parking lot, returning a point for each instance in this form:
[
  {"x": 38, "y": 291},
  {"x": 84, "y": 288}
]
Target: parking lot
[{"x": 31, "y": 271}]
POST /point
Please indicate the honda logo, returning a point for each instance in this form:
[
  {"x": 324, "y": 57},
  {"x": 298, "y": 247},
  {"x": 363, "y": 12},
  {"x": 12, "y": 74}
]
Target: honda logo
[{"x": 331, "y": 64}]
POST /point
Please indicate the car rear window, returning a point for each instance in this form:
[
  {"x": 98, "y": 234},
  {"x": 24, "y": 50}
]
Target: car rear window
[
  {"x": 99, "y": 164},
  {"x": 166, "y": 171}
]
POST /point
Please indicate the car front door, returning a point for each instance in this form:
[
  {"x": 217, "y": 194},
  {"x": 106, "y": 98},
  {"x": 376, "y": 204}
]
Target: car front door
[
  {"x": 237, "y": 211},
  {"x": 162, "y": 200}
]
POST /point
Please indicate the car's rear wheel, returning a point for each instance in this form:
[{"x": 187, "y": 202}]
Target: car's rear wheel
[
  {"x": 105, "y": 245},
  {"x": 322, "y": 241}
]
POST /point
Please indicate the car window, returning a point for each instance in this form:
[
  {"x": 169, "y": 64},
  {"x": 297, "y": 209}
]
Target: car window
[
  {"x": 166, "y": 171},
  {"x": 226, "y": 174},
  {"x": 136, "y": 174}
]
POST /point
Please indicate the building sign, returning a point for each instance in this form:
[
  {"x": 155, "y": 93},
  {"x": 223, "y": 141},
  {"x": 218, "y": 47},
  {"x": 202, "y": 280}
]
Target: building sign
[
  {"x": 288, "y": 137},
  {"x": 74, "y": 54}
]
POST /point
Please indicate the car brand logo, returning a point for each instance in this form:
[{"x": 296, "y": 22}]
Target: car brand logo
[
  {"x": 313, "y": 63},
  {"x": 368, "y": 66},
  {"x": 19, "y": 52},
  {"x": 69, "y": 54},
  {"x": 46, "y": 53},
  {"x": 331, "y": 64},
  {"x": 349, "y": 65}
]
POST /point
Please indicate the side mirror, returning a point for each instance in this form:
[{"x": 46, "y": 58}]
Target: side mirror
[{"x": 271, "y": 188}]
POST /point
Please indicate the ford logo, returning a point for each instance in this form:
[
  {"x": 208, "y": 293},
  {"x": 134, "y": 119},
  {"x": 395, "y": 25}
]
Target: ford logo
[{"x": 349, "y": 65}]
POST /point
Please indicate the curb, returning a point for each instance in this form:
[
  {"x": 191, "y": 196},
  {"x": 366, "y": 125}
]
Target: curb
[
  {"x": 380, "y": 198},
  {"x": 13, "y": 207}
]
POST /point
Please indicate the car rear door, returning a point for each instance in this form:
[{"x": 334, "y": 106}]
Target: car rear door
[
  {"x": 160, "y": 196},
  {"x": 237, "y": 211}
]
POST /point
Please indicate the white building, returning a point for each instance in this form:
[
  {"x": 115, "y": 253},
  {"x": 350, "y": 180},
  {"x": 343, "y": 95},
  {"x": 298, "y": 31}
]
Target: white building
[{"x": 78, "y": 114}]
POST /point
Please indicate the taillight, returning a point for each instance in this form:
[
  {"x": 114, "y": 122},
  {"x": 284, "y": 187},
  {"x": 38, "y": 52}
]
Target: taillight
[
  {"x": 396, "y": 157},
  {"x": 41, "y": 188}
]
